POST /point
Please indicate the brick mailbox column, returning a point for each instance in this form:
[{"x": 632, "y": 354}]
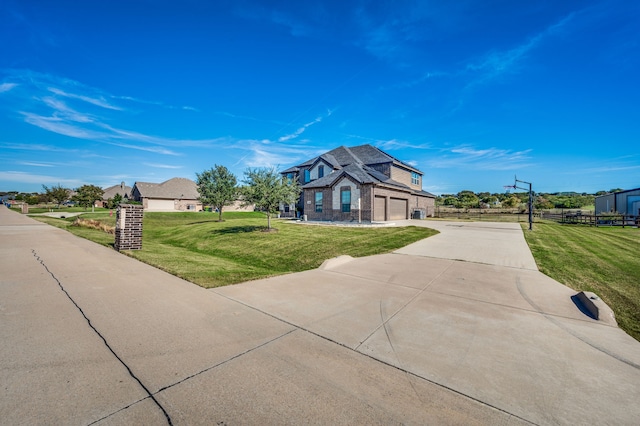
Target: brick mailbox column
[{"x": 129, "y": 227}]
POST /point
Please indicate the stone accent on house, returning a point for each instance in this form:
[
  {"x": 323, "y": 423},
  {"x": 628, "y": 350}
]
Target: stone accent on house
[{"x": 129, "y": 227}]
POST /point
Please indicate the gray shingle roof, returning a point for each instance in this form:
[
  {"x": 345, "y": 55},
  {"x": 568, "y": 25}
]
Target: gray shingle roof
[
  {"x": 363, "y": 154},
  {"x": 358, "y": 172},
  {"x": 121, "y": 189},
  {"x": 174, "y": 189}
]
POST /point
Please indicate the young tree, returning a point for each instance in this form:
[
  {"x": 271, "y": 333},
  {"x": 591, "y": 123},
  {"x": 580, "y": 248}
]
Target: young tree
[
  {"x": 56, "y": 193},
  {"x": 87, "y": 195},
  {"x": 217, "y": 187},
  {"x": 114, "y": 202},
  {"x": 266, "y": 188}
]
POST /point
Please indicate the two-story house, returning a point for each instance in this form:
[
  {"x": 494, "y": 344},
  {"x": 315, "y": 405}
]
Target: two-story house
[{"x": 361, "y": 183}]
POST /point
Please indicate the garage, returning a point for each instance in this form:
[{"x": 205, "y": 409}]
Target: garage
[
  {"x": 398, "y": 209},
  {"x": 380, "y": 209},
  {"x": 160, "y": 205}
]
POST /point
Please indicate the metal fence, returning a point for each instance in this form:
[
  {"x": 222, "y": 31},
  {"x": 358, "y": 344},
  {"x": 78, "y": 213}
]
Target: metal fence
[{"x": 578, "y": 218}]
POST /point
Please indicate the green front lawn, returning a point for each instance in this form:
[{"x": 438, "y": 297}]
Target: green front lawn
[
  {"x": 602, "y": 260},
  {"x": 196, "y": 247}
]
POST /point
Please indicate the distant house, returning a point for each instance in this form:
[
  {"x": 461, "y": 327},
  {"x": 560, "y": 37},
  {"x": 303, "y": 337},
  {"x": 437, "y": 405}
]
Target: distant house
[
  {"x": 623, "y": 202},
  {"x": 360, "y": 183},
  {"x": 177, "y": 194},
  {"x": 110, "y": 193}
]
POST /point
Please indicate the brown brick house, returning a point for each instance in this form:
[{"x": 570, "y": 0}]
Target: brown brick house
[{"x": 360, "y": 183}]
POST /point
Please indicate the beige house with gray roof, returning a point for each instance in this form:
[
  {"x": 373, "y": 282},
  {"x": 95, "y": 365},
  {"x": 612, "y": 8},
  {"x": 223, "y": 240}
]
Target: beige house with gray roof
[
  {"x": 177, "y": 194},
  {"x": 110, "y": 193}
]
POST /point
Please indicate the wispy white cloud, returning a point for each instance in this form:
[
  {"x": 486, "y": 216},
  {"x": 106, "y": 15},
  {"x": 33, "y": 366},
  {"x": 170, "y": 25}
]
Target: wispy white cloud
[
  {"x": 97, "y": 101},
  {"x": 60, "y": 126},
  {"x": 38, "y": 147},
  {"x": 63, "y": 110},
  {"x": 162, "y": 166},
  {"x": 400, "y": 144},
  {"x": 154, "y": 149},
  {"x": 35, "y": 164},
  {"x": 5, "y": 87},
  {"x": 303, "y": 128},
  {"x": 496, "y": 63},
  {"x": 266, "y": 153},
  {"x": 469, "y": 158},
  {"x": 22, "y": 177},
  {"x": 69, "y": 108}
]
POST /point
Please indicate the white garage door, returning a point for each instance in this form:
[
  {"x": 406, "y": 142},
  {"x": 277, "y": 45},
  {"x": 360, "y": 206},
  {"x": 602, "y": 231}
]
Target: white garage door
[
  {"x": 160, "y": 205},
  {"x": 398, "y": 209}
]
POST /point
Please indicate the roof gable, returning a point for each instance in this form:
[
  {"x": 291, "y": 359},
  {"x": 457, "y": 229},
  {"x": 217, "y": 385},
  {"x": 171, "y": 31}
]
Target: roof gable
[
  {"x": 121, "y": 189},
  {"x": 362, "y": 154},
  {"x": 176, "y": 188}
]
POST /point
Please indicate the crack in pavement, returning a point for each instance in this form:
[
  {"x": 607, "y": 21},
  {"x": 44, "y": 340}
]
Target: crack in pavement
[
  {"x": 150, "y": 395},
  {"x": 381, "y": 361},
  {"x": 226, "y": 361}
]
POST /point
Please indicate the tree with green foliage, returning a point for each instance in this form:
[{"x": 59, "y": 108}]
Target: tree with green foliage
[
  {"x": 450, "y": 200},
  {"x": 114, "y": 202},
  {"x": 56, "y": 193},
  {"x": 266, "y": 188},
  {"x": 87, "y": 195},
  {"x": 217, "y": 187},
  {"x": 468, "y": 199},
  {"x": 512, "y": 201}
]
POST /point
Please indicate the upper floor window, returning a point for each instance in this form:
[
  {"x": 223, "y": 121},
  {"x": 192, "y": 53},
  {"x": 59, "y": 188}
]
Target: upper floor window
[
  {"x": 320, "y": 171},
  {"x": 345, "y": 200},
  {"x": 318, "y": 202},
  {"x": 290, "y": 176},
  {"x": 415, "y": 178},
  {"x": 307, "y": 176}
]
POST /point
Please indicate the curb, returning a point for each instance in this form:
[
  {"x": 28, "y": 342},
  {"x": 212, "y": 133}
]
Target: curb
[{"x": 597, "y": 308}]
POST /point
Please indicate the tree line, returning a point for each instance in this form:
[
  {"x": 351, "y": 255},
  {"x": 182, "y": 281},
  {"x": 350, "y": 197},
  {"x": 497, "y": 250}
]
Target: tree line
[
  {"x": 217, "y": 187},
  {"x": 543, "y": 200}
]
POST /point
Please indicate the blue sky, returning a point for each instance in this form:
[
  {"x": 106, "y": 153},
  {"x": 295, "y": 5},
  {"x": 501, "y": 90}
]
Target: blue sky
[{"x": 470, "y": 92}]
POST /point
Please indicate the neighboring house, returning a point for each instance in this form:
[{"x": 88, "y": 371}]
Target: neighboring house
[
  {"x": 360, "y": 183},
  {"x": 623, "y": 202},
  {"x": 177, "y": 194},
  {"x": 112, "y": 191}
]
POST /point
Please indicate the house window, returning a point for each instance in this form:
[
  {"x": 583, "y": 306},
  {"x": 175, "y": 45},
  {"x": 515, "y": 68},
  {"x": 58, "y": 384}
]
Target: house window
[
  {"x": 345, "y": 200},
  {"x": 318, "y": 202},
  {"x": 307, "y": 176},
  {"x": 320, "y": 171},
  {"x": 290, "y": 176},
  {"x": 415, "y": 178}
]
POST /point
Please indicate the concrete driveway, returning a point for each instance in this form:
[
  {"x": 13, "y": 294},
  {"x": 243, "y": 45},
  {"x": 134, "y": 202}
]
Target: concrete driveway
[{"x": 90, "y": 336}]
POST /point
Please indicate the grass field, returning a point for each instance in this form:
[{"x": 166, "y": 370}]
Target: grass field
[
  {"x": 196, "y": 247},
  {"x": 604, "y": 260}
]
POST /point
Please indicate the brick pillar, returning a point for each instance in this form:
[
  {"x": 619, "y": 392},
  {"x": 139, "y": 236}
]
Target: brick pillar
[{"x": 129, "y": 227}]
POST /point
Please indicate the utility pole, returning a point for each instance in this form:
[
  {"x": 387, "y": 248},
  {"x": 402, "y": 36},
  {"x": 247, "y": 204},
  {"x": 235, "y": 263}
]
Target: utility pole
[{"x": 515, "y": 186}]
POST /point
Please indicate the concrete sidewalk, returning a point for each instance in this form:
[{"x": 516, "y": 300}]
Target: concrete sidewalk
[{"x": 90, "y": 336}]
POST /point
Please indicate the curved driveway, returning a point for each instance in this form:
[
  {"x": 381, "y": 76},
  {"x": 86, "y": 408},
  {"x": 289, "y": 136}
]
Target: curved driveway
[{"x": 90, "y": 336}]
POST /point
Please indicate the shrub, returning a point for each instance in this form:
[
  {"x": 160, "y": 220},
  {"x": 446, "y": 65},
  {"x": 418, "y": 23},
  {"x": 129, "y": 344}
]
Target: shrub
[{"x": 94, "y": 224}]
